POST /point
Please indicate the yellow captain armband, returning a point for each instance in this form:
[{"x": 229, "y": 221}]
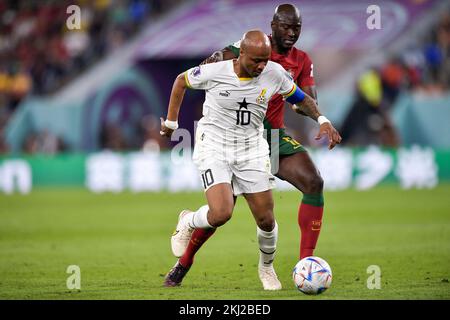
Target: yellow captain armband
[{"x": 188, "y": 84}]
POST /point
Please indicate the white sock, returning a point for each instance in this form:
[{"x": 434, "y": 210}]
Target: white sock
[
  {"x": 267, "y": 241},
  {"x": 200, "y": 219}
]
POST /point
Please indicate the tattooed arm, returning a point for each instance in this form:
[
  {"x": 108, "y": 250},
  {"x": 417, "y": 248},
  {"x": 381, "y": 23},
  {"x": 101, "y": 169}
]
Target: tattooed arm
[
  {"x": 309, "y": 108},
  {"x": 224, "y": 54}
]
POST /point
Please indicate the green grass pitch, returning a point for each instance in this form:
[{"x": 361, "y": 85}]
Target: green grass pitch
[{"x": 122, "y": 245}]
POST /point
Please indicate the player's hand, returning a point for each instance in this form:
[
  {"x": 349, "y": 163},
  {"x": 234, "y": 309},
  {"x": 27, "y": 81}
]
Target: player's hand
[
  {"x": 165, "y": 132},
  {"x": 333, "y": 135}
]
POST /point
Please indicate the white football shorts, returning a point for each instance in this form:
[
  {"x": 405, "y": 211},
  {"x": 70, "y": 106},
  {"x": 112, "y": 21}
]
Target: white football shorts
[{"x": 246, "y": 175}]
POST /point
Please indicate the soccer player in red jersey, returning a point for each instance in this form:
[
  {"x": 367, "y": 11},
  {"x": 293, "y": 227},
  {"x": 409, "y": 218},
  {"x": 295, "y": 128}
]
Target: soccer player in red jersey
[{"x": 295, "y": 165}]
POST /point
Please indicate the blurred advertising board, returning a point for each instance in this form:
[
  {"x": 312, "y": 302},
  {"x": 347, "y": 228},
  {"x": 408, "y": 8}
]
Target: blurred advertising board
[{"x": 152, "y": 171}]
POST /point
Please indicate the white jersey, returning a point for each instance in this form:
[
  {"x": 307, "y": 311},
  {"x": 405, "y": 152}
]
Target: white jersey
[{"x": 234, "y": 108}]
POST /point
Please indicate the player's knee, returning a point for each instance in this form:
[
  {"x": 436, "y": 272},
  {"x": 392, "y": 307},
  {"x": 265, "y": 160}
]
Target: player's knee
[
  {"x": 266, "y": 222},
  {"x": 220, "y": 215},
  {"x": 314, "y": 184},
  {"x": 222, "y": 218}
]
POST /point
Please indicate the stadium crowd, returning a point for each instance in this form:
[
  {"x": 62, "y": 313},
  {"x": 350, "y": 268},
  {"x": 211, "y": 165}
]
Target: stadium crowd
[
  {"x": 424, "y": 67},
  {"x": 38, "y": 54}
]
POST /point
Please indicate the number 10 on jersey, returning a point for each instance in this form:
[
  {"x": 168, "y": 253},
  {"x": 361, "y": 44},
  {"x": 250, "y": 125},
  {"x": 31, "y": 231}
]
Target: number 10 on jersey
[{"x": 242, "y": 116}]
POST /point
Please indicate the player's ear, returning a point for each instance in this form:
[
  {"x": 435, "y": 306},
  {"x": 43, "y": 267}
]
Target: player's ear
[{"x": 272, "y": 25}]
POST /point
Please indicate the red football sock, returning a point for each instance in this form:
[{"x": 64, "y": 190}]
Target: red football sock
[
  {"x": 310, "y": 222},
  {"x": 198, "y": 238}
]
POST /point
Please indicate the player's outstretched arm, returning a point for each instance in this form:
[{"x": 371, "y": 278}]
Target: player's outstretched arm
[
  {"x": 309, "y": 108},
  {"x": 310, "y": 91},
  {"x": 169, "y": 125},
  {"x": 221, "y": 55}
]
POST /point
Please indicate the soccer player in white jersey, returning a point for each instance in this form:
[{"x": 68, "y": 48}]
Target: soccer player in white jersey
[{"x": 230, "y": 150}]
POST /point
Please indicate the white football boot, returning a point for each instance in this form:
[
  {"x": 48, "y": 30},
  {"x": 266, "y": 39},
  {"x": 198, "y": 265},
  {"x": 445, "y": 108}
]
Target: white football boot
[
  {"x": 182, "y": 234},
  {"x": 269, "y": 278}
]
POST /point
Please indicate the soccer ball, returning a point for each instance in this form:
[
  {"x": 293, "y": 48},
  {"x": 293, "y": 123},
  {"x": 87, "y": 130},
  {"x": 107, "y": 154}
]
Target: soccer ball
[{"x": 312, "y": 275}]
